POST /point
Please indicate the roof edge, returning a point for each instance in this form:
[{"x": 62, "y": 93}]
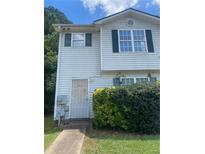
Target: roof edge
[
  {"x": 145, "y": 13},
  {"x": 64, "y": 27},
  {"x": 75, "y": 25}
]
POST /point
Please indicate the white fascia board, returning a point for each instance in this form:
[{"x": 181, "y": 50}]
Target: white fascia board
[{"x": 126, "y": 12}]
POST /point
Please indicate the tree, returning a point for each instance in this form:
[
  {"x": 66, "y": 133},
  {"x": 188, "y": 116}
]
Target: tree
[{"x": 51, "y": 16}]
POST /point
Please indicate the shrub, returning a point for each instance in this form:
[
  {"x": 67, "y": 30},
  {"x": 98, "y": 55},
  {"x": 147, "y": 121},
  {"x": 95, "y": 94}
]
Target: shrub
[{"x": 133, "y": 108}]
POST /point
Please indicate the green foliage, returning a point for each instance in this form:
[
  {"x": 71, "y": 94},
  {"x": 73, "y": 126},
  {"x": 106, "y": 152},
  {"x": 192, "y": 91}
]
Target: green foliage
[
  {"x": 51, "y": 42},
  {"x": 51, "y": 131},
  {"x": 134, "y": 108},
  {"x": 51, "y": 16}
]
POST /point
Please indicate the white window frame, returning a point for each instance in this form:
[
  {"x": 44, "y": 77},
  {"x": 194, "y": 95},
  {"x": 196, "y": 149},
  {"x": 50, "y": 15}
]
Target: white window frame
[
  {"x": 75, "y": 39},
  {"x": 132, "y": 42},
  {"x": 124, "y": 40},
  {"x": 134, "y": 78}
]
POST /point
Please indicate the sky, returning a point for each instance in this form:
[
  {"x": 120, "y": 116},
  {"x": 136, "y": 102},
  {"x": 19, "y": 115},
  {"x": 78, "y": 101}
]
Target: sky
[{"x": 86, "y": 11}]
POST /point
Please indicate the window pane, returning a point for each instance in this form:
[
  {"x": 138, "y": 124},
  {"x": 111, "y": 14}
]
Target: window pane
[
  {"x": 123, "y": 82},
  {"x": 131, "y": 81},
  {"x": 139, "y": 40},
  {"x": 139, "y": 46},
  {"x": 127, "y": 81},
  {"x": 125, "y": 46},
  {"x": 137, "y": 37},
  {"x": 138, "y": 32},
  {"x": 78, "y": 43},
  {"x": 78, "y": 40},
  {"x": 125, "y": 40},
  {"x": 153, "y": 79},
  {"x": 78, "y": 36},
  {"x": 140, "y": 80}
]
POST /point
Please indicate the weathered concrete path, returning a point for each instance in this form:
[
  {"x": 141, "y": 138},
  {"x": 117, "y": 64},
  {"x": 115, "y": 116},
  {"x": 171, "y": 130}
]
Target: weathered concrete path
[{"x": 69, "y": 141}]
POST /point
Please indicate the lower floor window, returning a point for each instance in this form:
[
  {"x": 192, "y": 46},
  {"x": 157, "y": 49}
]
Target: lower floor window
[
  {"x": 139, "y": 80},
  {"x": 127, "y": 81},
  {"x": 132, "y": 80}
]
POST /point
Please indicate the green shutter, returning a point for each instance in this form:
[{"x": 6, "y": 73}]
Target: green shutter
[
  {"x": 115, "y": 47},
  {"x": 150, "y": 45},
  {"x": 116, "y": 81},
  {"x": 88, "y": 39},
  {"x": 67, "y": 42}
]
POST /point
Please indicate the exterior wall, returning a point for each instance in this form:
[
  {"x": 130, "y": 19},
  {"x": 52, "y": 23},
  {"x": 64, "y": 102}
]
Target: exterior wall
[
  {"x": 86, "y": 62},
  {"x": 132, "y": 60},
  {"x": 76, "y": 63}
]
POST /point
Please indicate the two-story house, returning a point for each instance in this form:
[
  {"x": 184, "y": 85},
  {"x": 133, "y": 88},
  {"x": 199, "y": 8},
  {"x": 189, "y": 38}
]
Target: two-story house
[{"x": 120, "y": 49}]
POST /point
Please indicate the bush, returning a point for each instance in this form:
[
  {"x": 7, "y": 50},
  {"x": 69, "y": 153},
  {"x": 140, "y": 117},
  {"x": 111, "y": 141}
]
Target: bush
[{"x": 133, "y": 108}]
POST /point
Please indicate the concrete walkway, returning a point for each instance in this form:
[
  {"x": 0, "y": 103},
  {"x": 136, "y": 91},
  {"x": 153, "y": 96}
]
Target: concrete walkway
[{"x": 69, "y": 141}]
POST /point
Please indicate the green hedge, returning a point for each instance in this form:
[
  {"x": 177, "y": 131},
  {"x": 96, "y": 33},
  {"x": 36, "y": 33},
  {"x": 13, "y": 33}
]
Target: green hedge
[{"x": 133, "y": 108}]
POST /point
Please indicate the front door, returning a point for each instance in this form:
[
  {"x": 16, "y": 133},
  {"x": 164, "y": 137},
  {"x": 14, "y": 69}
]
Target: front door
[{"x": 79, "y": 99}]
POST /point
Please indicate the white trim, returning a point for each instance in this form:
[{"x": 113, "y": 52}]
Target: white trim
[
  {"x": 145, "y": 37},
  {"x": 88, "y": 97},
  {"x": 132, "y": 41},
  {"x": 131, "y": 69},
  {"x": 101, "y": 48},
  {"x": 57, "y": 75},
  {"x": 118, "y": 30},
  {"x": 69, "y": 114},
  {"x": 127, "y": 11},
  {"x": 118, "y": 35}
]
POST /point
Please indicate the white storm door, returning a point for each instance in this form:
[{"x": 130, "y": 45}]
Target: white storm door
[{"x": 79, "y": 99}]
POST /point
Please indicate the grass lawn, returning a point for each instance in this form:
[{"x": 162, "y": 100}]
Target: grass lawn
[
  {"x": 51, "y": 131},
  {"x": 112, "y": 142}
]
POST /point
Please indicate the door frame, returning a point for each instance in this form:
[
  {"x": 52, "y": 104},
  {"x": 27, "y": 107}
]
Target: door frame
[{"x": 76, "y": 78}]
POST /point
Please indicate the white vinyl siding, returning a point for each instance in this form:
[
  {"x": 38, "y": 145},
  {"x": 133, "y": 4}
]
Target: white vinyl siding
[
  {"x": 77, "y": 63},
  {"x": 130, "y": 60}
]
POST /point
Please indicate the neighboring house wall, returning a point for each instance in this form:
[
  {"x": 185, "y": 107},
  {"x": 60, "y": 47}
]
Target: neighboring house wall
[{"x": 129, "y": 61}]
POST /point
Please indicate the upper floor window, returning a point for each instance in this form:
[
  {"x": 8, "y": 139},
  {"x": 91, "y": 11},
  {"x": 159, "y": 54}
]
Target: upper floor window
[
  {"x": 139, "y": 40},
  {"x": 132, "y": 41},
  {"x": 78, "y": 39},
  {"x": 125, "y": 41}
]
